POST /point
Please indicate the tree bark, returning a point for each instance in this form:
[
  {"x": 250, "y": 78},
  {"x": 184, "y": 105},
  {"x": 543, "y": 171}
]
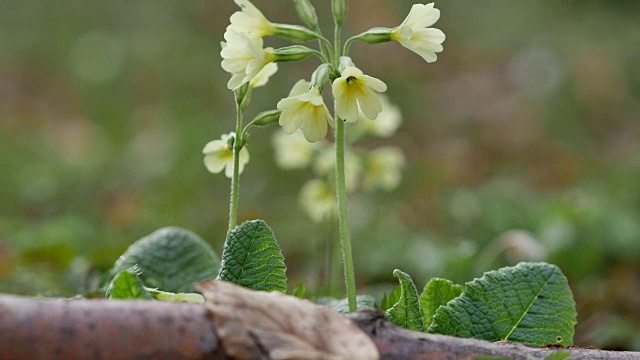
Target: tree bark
[{"x": 97, "y": 329}]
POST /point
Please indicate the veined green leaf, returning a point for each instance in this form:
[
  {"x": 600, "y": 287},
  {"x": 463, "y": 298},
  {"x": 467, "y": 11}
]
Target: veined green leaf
[
  {"x": 252, "y": 258},
  {"x": 171, "y": 259},
  {"x": 436, "y": 293},
  {"x": 406, "y": 312},
  {"x": 127, "y": 285},
  {"x": 530, "y": 303}
]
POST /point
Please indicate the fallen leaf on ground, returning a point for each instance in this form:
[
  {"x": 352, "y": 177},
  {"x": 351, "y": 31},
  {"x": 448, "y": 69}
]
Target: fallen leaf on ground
[{"x": 260, "y": 325}]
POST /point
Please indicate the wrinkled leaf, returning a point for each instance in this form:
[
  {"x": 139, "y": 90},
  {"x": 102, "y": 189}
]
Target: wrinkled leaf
[
  {"x": 252, "y": 258},
  {"x": 530, "y": 303},
  {"x": 171, "y": 259},
  {"x": 342, "y": 305},
  {"x": 406, "y": 312},
  {"x": 127, "y": 285},
  {"x": 270, "y": 325},
  {"x": 436, "y": 293}
]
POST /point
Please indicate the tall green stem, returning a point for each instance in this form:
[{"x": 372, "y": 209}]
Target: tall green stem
[
  {"x": 343, "y": 218},
  {"x": 341, "y": 194},
  {"x": 235, "y": 180}
]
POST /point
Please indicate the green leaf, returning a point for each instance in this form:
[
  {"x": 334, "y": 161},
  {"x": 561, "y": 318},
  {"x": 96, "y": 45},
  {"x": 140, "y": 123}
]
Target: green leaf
[
  {"x": 388, "y": 301},
  {"x": 299, "y": 291},
  {"x": 436, "y": 293},
  {"x": 406, "y": 312},
  {"x": 252, "y": 258},
  {"x": 171, "y": 259},
  {"x": 530, "y": 303},
  {"x": 193, "y": 298},
  {"x": 342, "y": 305},
  {"x": 127, "y": 285}
]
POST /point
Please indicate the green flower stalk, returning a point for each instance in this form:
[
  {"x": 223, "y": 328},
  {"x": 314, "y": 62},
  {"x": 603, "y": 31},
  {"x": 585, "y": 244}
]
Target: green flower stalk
[{"x": 357, "y": 98}]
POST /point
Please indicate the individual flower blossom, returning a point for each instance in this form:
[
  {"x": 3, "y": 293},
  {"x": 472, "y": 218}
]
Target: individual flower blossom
[
  {"x": 293, "y": 151},
  {"x": 305, "y": 109},
  {"x": 244, "y": 58},
  {"x": 318, "y": 200},
  {"x": 218, "y": 155},
  {"x": 387, "y": 122},
  {"x": 416, "y": 35},
  {"x": 354, "y": 88},
  {"x": 250, "y": 21},
  {"x": 326, "y": 161},
  {"x": 263, "y": 76},
  {"x": 382, "y": 169}
]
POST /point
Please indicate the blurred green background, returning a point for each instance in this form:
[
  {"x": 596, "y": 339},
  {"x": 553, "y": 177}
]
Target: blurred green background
[{"x": 521, "y": 140}]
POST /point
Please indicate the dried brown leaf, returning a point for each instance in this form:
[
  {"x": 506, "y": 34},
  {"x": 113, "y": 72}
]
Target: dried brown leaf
[{"x": 260, "y": 325}]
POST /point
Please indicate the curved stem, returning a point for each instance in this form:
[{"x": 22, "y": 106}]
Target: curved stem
[
  {"x": 327, "y": 44},
  {"x": 347, "y": 44}
]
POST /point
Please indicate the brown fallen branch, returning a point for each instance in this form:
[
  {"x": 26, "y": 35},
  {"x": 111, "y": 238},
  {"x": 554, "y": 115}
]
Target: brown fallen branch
[{"x": 97, "y": 329}]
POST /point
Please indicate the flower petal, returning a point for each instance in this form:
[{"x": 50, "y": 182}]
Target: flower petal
[
  {"x": 315, "y": 126},
  {"x": 374, "y": 83},
  {"x": 370, "y": 104},
  {"x": 422, "y": 16}
]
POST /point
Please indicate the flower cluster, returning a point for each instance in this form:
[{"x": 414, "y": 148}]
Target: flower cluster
[
  {"x": 357, "y": 95},
  {"x": 366, "y": 169},
  {"x": 359, "y": 106}
]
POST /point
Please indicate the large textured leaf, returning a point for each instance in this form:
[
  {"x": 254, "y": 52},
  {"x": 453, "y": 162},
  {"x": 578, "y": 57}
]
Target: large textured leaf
[
  {"x": 530, "y": 303},
  {"x": 406, "y": 312},
  {"x": 252, "y": 258},
  {"x": 170, "y": 259},
  {"x": 436, "y": 293}
]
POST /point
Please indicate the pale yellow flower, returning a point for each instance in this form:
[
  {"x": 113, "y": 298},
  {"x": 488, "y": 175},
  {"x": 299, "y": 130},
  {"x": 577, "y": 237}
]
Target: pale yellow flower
[
  {"x": 244, "y": 58},
  {"x": 354, "y": 88},
  {"x": 416, "y": 35},
  {"x": 306, "y": 111},
  {"x": 383, "y": 169},
  {"x": 218, "y": 156},
  {"x": 250, "y": 21},
  {"x": 263, "y": 76},
  {"x": 318, "y": 200},
  {"x": 293, "y": 151}
]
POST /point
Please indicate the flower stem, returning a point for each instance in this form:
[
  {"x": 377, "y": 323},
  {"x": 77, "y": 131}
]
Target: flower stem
[
  {"x": 235, "y": 179},
  {"x": 343, "y": 219},
  {"x": 341, "y": 193}
]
